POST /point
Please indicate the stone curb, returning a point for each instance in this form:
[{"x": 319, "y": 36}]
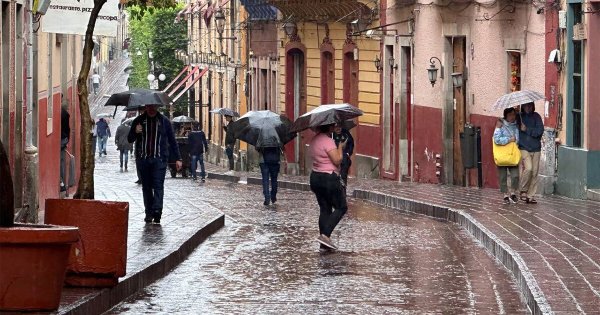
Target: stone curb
[
  {"x": 105, "y": 299},
  {"x": 534, "y": 297}
]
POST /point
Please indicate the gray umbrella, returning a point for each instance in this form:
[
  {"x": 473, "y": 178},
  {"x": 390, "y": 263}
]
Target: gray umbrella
[
  {"x": 263, "y": 129},
  {"x": 225, "y": 112},
  {"x": 517, "y": 98},
  {"x": 183, "y": 119},
  {"x": 138, "y": 98}
]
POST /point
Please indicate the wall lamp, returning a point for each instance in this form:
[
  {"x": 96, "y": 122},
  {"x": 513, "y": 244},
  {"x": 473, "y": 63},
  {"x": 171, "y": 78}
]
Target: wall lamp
[
  {"x": 432, "y": 71},
  {"x": 377, "y": 63}
]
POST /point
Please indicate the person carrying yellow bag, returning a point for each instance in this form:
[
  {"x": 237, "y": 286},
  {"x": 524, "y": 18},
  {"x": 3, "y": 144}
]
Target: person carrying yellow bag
[{"x": 507, "y": 155}]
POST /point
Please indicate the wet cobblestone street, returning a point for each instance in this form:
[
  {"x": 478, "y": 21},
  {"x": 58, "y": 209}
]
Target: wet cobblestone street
[{"x": 266, "y": 261}]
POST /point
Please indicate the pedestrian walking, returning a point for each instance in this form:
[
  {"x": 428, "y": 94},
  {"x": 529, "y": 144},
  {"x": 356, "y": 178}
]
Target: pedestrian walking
[
  {"x": 65, "y": 134},
  {"x": 506, "y": 135},
  {"x": 326, "y": 184},
  {"x": 531, "y": 129},
  {"x": 138, "y": 150},
  {"x": 229, "y": 144},
  {"x": 157, "y": 144},
  {"x": 123, "y": 145},
  {"x": 343, "y": 135},
  {"x": 269, "y": 169},
  {"x": 96, "y": 82},
  {"x": 94, "y": 133},
  {"x": 103, "y": 131},
  {"x": 198, "y": 147}
]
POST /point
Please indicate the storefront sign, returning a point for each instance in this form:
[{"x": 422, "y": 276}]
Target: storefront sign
[{"x": 72, "y": 17}]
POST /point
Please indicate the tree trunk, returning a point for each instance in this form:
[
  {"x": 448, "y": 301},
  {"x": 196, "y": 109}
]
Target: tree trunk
[
  {"x": 85, "y": 189},
  {"x": 7, "y": 197}
]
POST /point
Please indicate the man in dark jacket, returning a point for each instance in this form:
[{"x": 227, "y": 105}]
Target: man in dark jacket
[
  {"x": 198, "y": 146},
  {"x": 341, "y": 135},
  {"x": 229, "y": 143},
  {"x": 103, "y": 133},
  {"x": 530, "y": 143},
  {"x": 157, "y": 145}
]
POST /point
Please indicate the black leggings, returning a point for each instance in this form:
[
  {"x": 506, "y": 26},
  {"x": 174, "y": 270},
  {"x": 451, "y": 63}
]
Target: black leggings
[{"x": 331, "y": 196}]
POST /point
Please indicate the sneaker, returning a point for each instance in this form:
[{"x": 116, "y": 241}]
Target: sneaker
[
  {"x": 194, "y": 178},
  {"x": 157, "y": 220},
  {"x": 121, "y": 170},
  {"x": 203, "y": 180},
  {"x": 148, "y": 219},
  {"x": 126, "y": 169},
  {"x": 326, "y": 241},
  {"x": 530, "y": 200},
  {"x": 514, "y": 198},
  {"x": 266, "y": 203},
  {"x": 139, "y": 182},
  {"x": 273, "y": 199},
  {"x": 230, "y": 173},
  {"x": 507, "y": 200}
]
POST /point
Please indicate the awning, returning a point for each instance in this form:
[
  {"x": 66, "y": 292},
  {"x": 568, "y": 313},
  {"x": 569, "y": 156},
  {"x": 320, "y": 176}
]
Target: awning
[
  {"x": 176, "y": 78},
  {"x": 195, "y": 70},
  {"x": 188, "y": 86},
  {"x": 321, "y": 10}
]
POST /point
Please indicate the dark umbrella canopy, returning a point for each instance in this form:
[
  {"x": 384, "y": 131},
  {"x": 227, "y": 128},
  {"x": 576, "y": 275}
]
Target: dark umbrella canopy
[
  {"x": 348, "y": 124},
  {"x": 225, "y": 112},
  {"x": 263, "y": 129},
  {"x": 326, "y": 115},
  {"x": 183, "y": 119},
  {"x": 138, "y": 98}
]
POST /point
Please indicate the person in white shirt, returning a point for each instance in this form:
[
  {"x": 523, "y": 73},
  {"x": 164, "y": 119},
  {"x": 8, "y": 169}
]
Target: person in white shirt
[{"x": 96, "y": 82}]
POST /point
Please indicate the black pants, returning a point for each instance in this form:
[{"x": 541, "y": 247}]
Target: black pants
[
  {"x": 229, "y": 153},
  {"x": 153, "y": 173},
  {"x": 345, "y": 168},
  {"x": 331, "y": 196}
]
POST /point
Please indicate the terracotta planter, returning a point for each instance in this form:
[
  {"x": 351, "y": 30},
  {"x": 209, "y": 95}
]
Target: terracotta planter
[
  {"x": 99, "y": 258},
  {"x": 33, "y": 260}
]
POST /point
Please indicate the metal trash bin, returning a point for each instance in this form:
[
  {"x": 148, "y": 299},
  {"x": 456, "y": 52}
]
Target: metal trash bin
[{"x": 468, "y": 147}]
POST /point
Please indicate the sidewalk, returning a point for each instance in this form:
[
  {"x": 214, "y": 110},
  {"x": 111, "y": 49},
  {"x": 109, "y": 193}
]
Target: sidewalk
[
  {"x": 153, "y": 250},
  {"x": 552, "y": 248}
]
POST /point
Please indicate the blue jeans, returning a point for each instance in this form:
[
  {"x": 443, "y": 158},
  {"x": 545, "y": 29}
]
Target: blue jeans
[
  {"x": 124, "y": 157},
  {"x": 269, "y": 171},
  {"x": 102, "y": 144},
  {"x": 152, "y": 171},
  {"x": 195, "y": 160}
]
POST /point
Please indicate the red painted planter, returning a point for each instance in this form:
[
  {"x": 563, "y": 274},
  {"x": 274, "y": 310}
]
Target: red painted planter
[
  {"x": 100, "y": 256},
  {"x": 33, "y": 260}
]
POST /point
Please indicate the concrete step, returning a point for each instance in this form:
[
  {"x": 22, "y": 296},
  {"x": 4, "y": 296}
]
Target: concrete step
[{"x": 593, "y": 194}]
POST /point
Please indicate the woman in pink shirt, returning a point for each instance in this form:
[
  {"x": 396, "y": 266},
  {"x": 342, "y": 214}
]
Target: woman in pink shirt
[{"x": 326, "y": 184}]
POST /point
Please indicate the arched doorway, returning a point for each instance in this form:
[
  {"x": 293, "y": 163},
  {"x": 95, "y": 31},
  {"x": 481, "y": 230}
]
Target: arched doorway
[{"x": 295, "y": 102}]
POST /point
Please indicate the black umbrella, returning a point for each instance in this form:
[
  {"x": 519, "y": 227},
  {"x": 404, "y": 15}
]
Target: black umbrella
[
  {"x": 348, "y": 124},
  {"x": 225, "y": 112},
  {"x": 138, "y": 98},
  {"x": 326, "y": 115},
  {"x": 263, "y": 129},
  {"x": 183, "y": 119}
]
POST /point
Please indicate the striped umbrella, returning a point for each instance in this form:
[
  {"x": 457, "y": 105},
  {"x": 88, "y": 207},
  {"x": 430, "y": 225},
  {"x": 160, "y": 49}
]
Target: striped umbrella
[{"x": 517, "y": 98}]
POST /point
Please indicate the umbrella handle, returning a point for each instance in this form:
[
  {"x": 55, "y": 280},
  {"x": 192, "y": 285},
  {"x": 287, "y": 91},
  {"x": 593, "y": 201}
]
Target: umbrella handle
[{"x": 115, "y": 113}]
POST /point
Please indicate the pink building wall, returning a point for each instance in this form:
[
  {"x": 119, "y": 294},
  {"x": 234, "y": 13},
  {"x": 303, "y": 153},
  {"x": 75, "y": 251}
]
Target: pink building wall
[{"x": 487, "y": 61}]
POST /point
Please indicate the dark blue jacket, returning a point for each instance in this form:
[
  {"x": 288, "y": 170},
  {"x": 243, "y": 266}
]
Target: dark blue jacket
[
  {"x": 531, "y": 139},
  {"x": 102, "y": 128},
  {"x": 345, "y": 134},
  {"x": 168, "y": 149},
  {"x": 197, "y": 142},
  {"x": 270, "y": 155}
]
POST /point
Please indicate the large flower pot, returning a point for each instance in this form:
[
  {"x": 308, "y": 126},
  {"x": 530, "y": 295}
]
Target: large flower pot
[
  {"x": 99, "y": 258},
  {"x": 33, "y": 260}
]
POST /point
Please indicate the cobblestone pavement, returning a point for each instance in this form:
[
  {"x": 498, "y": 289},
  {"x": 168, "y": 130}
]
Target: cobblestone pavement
[
  {"x": 266, "y": 261},
  {"x": 558, "y": 239}
]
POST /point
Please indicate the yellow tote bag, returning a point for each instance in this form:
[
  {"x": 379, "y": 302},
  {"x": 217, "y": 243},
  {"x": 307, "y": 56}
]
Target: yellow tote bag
[{"x": 506, "y": 155}]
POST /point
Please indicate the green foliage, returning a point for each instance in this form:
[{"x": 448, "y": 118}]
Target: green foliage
[
  {"x": 152, "y": 3},
  {"x": 155, "y": 28}
]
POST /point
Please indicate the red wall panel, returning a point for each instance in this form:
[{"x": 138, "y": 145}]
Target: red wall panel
[
  {"x": 490, "y": 174},
  {"x": 427, "y": 142}
]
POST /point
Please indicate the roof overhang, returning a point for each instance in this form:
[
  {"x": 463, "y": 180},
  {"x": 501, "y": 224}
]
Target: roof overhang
[{"x": 322, "y": 10}]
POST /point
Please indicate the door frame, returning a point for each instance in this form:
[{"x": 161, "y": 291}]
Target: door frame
[{"x": 294, "y": 150}]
